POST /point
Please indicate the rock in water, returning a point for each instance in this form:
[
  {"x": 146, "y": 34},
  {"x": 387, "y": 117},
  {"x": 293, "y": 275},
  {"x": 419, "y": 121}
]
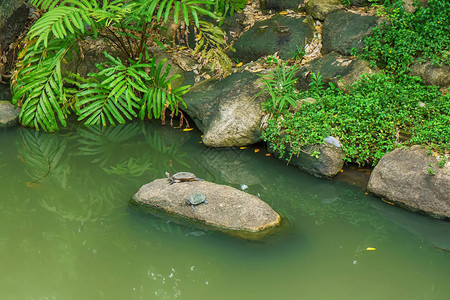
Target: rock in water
[
  {"x": 403, "y": 177},
  {"x": 9, "y": 115},
  {"x": 227, "y": 207}
]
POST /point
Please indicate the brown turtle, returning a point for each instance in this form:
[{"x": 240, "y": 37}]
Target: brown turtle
[{"x": 182, "y": 177}]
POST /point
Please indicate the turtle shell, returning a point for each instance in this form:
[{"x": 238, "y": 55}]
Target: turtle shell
[
  {"x": 184, "y": 176},
  {"x": 197, "y": 198}
]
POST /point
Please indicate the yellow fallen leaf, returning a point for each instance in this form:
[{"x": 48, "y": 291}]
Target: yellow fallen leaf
[
  {"x": 201, "y": 136},
  {"x": 239, "y": 64},
  {"x": 268, "y": 154},
  {"x": 200, "y": 142},
  {"x": 283, "y": 13},
  {"x": 256, "y": 150},
  {"x": 188, "y": 129},
  {"x": 371, "y": 249},
  {"x": 242, "y": 148},
  {"x": 182, "y": 48}
]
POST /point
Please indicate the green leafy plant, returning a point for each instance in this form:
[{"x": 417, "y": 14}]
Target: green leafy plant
[
  {"x": 405, "y": 36},
  {"x": 367, "y": 120},
  {"x": 280, "y": 86},
  {"x": 130, "y": 84}
]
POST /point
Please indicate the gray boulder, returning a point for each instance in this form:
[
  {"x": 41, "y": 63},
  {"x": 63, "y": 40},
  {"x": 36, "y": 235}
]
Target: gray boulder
[
  {"x": 228, "y": 111},
  {"x": 432, "y": 74},
  {"x": 324, "y": 161},
  {"x": 227, "y": 207},
  {"x": 343, "y": 31},
  {"x": 327, "y": 164},
  {"x": 9, "y": 115},
  {"x": 338, "y": 69},
  {"x": 280, "y": 34},
  {"x": 319, "y": 9},
  {"x": 279, "y": 5},
  {"x": 13, "y": 17},
  {"x": 402, "y": 177}
]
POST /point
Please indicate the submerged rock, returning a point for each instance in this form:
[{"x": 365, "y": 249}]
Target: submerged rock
[
  {"x": 227, "y": 207},
  {"x": 403, "y": 177},
  {"x": 9, "y": 115},
  {"x": 227, "y": 111}
]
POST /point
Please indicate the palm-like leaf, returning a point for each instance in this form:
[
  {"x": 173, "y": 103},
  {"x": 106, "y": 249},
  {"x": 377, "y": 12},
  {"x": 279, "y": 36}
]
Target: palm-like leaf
[
  {"x": 60, "y": 22},
  {"x": 41, "y": 88},
  {"x": 113, "y": 95},
  {"x": 159, "y": 94},
  {"x": 185, "y": 10}
]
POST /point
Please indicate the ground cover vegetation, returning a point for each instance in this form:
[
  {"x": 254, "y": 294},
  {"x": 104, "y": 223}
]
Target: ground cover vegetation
[
  {"x": 130, "y": 84},
  {"x": 380, "y": 112}
]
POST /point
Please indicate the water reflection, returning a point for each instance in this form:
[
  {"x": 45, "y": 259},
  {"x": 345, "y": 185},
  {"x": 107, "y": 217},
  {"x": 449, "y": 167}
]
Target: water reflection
[{"x": 66, "y": 225}]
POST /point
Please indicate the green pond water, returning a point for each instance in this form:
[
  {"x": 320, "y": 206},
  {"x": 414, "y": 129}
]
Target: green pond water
[{"x": 69, "y": 231}]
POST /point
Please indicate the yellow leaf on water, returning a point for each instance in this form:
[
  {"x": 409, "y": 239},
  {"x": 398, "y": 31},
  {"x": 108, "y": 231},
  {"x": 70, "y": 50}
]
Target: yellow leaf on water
[
  {"x": 283, "y": 13},
  {"x": 188, "y": 129},
  {"x": 242, "y": 148},
  {"x": 268, "y": 154},
  {"x": 256, "y": 150},
  {"x": 371, "y": 249},
  {"x": 200, "y": 142},
  {"x": 182, "y": 48},
  {"x": 201, "y": 136},
  {"x": 239, "y": 64}
]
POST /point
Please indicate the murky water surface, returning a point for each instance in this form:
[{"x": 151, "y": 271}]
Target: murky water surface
[{"x": 69, "y": 231}]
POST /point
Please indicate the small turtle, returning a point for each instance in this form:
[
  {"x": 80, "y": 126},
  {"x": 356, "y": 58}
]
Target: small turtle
[
  {"x": 181, "y": 177},
  {"x": 196, "y": 199}
]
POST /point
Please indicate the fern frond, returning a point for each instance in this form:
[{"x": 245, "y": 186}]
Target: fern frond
[
  {"x": 212, "y": 47},
  {"x": 40, "y": 87},
  {"x": 114, "y": 95},
  {"x": 159, "y": 95},
  {"x": 60, "y": 22},
  {"x": 228, "y": 7},
  {"x": 186, "y": 9}
]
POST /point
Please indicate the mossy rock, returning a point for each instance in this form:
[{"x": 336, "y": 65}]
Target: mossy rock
[
  {"x": 280, "y": 34},
  {"x": 279, "y": 5},
  {"x": 343, "y": 31},
  {"x": 13, "y": 16},
  {"x": 338, "y": 69}
]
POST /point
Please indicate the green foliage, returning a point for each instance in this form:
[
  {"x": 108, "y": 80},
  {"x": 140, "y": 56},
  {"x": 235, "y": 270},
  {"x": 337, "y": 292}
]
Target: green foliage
[
  {"x": 129, "y": 86},
  {"x": 367, "y": 120},
  {"x": 41, "y": 86},
  {"x": 395, "y": 44},
  {"x": 228, "y": 7},
  {"x": 280, "y": 86}
]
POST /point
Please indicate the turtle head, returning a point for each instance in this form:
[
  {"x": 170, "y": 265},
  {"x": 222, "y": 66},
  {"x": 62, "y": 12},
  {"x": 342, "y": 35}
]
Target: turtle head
[{"x": 168, "y": 175}]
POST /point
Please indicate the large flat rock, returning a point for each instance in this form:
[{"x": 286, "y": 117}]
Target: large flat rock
[{"x": 227, "y": 207}]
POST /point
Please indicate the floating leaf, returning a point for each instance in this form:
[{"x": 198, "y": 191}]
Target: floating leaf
[
  {"x": 188, "y": 129},
  {"x": 371, "y": 249}
]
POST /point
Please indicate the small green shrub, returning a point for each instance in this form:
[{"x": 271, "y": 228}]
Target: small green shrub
[
  {"x": 405, "y": 36},
  {"x": 367, "y": 120}
]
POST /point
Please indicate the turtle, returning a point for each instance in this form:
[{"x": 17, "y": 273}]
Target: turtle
[
  {"x": 196, "y": 199},
  {"x": 181, "y": 177}
]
